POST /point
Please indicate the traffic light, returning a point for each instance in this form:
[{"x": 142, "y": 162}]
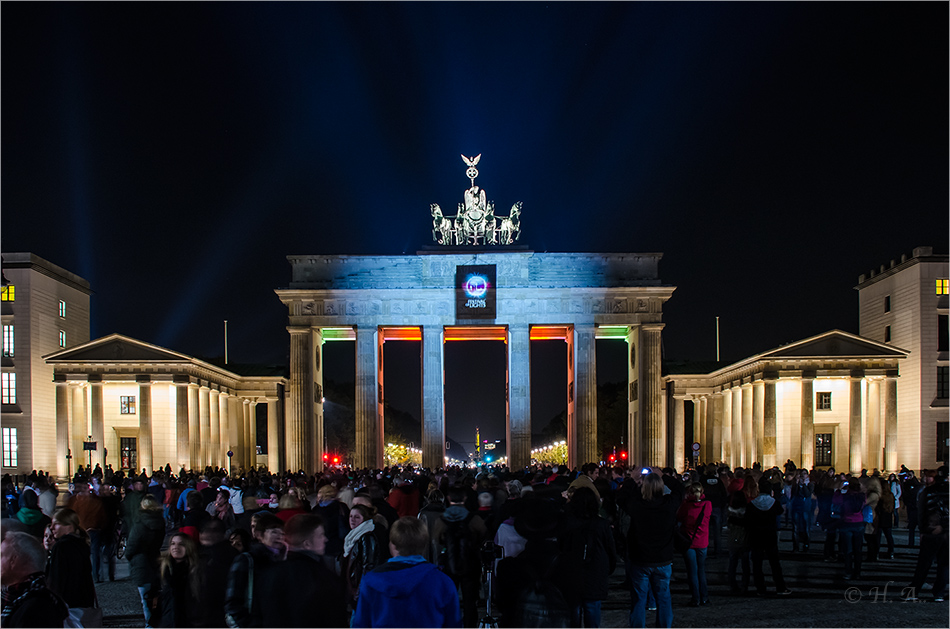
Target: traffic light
[
  {"x": 326, "y": 457},
  {"x": 623, "y": 455},
  {"x": 612, "y": 458},
  {"x": 336, "y": 460}
]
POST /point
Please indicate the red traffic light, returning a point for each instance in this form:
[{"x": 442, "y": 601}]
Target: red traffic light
[
  {"x": 336, "y": 459},
  {"x": 623, "y": 455},
  {"x": 612, "y": 458},
  {"x": 326, "y": 457}
]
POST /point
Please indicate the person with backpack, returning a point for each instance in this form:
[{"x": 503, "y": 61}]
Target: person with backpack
[
  {"x": 460, "y": 535},
  {"x": 242, "y": 603},
  {"x": 883, "y": 522},
  {"x": 587, "y": 556},
  {"x": 933, "y": 507}
]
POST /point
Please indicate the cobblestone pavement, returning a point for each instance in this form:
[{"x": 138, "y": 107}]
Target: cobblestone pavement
[{"x": 820, "y": 596}]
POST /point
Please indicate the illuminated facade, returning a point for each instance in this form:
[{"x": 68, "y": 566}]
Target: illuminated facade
[
  {"x": 449, "y": 296},
  {"x": 829, "y": 400},
  {"x": 146, "y": 406},
  {"x": 905, "y": 304},
  {"x": 44, "y": 308}
]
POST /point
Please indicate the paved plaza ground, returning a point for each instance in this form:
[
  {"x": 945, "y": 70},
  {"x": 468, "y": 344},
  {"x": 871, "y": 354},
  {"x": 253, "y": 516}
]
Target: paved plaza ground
[{"x": 820, "y": 597}]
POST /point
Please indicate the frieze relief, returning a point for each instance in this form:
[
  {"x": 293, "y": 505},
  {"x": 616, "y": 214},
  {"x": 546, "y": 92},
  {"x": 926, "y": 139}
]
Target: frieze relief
[{"x": 618, "y": 306}]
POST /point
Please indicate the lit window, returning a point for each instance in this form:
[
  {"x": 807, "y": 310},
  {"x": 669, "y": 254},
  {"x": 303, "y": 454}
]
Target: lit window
[
  {"x": 887, "y": 334},
  {"x": 8, "y": 388},
  {"x": 62, "y": 309},
  {"x": 7, "y": 294},
  {"x": 9, "y": 447},
  {"x": 887, "y": 303},
  {"x": 127, "y": 405},
  {"x": 943, "y": 288},
  {"x": 943, "y": 383},
  {"x": 823, "y": 400},
  {"x": 62, "y": 338},
  {"x": 8, "y": 341}
]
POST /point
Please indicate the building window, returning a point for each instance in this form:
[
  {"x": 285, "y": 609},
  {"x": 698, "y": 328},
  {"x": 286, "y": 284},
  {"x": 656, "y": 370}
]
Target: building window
[
  {"x": 943, "y": 330},
  {"x": 9, "y": 447},
  {"x": 943, "y": 287},
  {"x": 62, "y": 309},
  {"x": 7, "y": 388},
  {"x": 943, "y": 383},
  {"x": 823, "y": 402},
  {"x": 127, "y": 405},
  {"x": 8, "y": 341},
  {"x": 943, "y": 435},
  {"x": 62, "y": 338},
  {"x": 887, "y": 334},
  {"x": 887, "y": 303},
  {"x": 8, "y": 293},
  {"x": 824, "y": 453}
]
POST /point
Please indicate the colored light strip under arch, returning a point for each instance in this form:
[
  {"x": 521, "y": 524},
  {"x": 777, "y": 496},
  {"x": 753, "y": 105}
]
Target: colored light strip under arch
[
  {"x": 477, "y": 333},
  {"x": 401, "y": 334}
]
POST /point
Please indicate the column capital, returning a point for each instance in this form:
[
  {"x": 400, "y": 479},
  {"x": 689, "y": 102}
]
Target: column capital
[{"x": 652, "y": 326}]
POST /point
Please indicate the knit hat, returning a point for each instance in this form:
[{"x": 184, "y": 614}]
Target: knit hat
[{"x": 584, "y": 481}]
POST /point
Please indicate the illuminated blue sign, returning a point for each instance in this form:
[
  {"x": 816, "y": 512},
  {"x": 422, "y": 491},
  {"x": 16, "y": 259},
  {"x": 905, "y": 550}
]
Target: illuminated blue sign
[{"x": 475, "y": 291}]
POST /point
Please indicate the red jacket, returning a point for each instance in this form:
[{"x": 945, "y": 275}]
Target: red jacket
[
  {"x": 689, "y": 512},
  {"x": 405, "y": 500}
]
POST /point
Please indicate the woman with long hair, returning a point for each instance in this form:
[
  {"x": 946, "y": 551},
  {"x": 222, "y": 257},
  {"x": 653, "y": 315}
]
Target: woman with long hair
[
  {"x": 181, "y": 583},
  {"x": 143, "y": 549},
  {"x": 69, "y": 571},
  {"x": 360, "y": 550},
  {"x": 693, "y": 517}
]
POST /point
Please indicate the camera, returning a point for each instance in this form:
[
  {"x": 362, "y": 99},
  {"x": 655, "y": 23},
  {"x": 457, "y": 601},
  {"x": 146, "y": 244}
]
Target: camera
[
  {"x": 645, "y": 471},
  {"x": 490, "y": 552}
]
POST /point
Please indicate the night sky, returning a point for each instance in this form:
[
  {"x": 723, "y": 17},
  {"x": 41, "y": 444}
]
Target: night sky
[{"x": 173, "y": 154}]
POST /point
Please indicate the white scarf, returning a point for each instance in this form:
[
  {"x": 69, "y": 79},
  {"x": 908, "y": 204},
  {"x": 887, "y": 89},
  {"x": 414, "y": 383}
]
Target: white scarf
[{"x": 355, "y": 534}]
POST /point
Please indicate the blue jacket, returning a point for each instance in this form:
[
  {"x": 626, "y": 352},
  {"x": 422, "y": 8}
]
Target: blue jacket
[{"x": 403, "y": 593}]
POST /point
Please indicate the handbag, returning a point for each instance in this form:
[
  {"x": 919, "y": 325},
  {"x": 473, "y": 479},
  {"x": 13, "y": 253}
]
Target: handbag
[{"x": 682, "y": 541}]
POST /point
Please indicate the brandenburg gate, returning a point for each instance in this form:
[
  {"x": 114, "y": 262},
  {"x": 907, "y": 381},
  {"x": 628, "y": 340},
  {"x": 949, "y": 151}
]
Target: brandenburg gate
[{"x": 475, "y": 284}]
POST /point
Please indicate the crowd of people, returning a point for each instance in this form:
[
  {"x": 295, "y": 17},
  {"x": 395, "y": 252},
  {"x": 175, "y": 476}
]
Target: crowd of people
[{"x": 407, "y": 546}]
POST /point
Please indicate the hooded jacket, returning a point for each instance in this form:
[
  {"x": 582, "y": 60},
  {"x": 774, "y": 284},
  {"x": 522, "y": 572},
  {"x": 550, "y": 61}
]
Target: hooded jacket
[
  {"x": 761, "y": 521},
  {"x": 403, "y": 593},
  {"x": 144, "y": 546}
]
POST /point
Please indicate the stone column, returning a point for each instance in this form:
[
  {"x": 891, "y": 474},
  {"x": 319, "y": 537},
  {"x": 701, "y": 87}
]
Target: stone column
[
  {"x": 519, "y": 396},
  {"x": 273, "y": 436},
  {"x": 62, "y": 425},
  {"x": 758, "y": 419},
  {"x": 369, "y": 426},
  {"x": 143, "y": 446},
  {"x": 856, "y": 431},
  {"x": 194, "y": 428},
  {"x": 634, "y": 442},
  {"x": 890, "y": 422},
  {"x": 235, "y": 419},
  {"x": 727, "y": 426},
  {"x": 316, "y": 366},
  {"x": 214, "y": 428},
  {"x": 250, "y": 423},
  {"x": 808, "y": 420},
  {"x": 679, "y": 432},
  {"x": 224, "y": 430},
  {"x": 748, "y": 442},
  {"x": 300, "y": 433},
  {"x": 718, "y": 404},
  {"x": 204, "y": 425},
  {"x": 97, "y": 424},
  {"x": 708, "y": 426},
  {"x": 582, "y": 443},
  {"x": 736, "y": 426},
  {"x": 769, "y": 423},
  {"x": 651, "y": 390},
  {"x": 183, "y": 447},
  {"x": 874, "y": 454},
  {"x": 79, "y": 423},
  {"x": 433, "y": 403}
]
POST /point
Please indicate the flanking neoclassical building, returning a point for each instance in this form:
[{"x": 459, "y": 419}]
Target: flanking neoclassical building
[
  {"x": 146, "y": 406},
  {"x": 828, "y": 400}
]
